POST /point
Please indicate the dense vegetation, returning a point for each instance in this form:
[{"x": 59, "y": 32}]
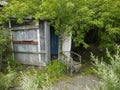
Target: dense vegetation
[
  {"x": 76, "y": 16},
  {"x": 102, "y": 17},
  {"x": 110, "y": 73},
  {"x": 32, "y": 78}
]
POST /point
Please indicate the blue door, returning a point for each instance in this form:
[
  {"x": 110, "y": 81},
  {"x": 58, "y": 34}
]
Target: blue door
[{"x": 54, "y": 43}]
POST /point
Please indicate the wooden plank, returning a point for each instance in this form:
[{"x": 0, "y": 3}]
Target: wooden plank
[
  {"x": 42, "y": 52},
  {"x": 25, "y": 35},
  {"x": 20, "y": 29},
  {"x": 26, "y": 27},
  {"x": 26, "y": 42},
  {"x": 11, "y": 37},
  {"x": 42, "y": 36},
  {"x": 38, "y": 38},
  {"x": 47, "y": 41},
  {"x": 24, "y": 58},
  {"x": 25, "y": 48}
]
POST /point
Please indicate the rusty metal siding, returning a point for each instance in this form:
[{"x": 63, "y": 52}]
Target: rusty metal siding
[
  {"x": 25, "y": 35},
  {"x": 29, "y": 43},
  {"x": 25, "y": 48},
  {"x": 25, "y": 51},
  {"x": 31, "y": 59},
  {"x": 43, "y": 58},
  {"x": 25, "y": 44}
]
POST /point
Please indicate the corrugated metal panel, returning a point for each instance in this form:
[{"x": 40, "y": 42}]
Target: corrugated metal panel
[
  {"x": 43, "y": 58},
  {"x": 25, "y": 35},
  {"x": 25, "y": 48},
  {"x": 31, "y": 46},
  {"x": 31, "y": 59}
]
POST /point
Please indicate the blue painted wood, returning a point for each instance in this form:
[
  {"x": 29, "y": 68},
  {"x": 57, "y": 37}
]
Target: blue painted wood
[{"x": 53, "y": 41}]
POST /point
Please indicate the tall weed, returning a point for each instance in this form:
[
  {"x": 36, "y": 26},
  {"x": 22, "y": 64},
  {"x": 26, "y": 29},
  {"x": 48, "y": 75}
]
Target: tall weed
[
  {"x": 109, "y": 72},
  {"x": 42, "y": 79},
  {"x": 55, "y": 69},
  {"x": 8, "y": 80}
]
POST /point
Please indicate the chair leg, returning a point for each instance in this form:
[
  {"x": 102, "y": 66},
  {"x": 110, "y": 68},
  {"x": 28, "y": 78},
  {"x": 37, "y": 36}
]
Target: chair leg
[{"x": 71, "y": 70}]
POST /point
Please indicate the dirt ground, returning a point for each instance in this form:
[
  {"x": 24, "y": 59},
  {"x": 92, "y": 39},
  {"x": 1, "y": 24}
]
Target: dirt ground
[{"x": 79, "y": 82}]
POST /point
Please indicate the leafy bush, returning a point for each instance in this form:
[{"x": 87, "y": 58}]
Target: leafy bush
[
  {"x": 6, "y": 58},
  {"x": 4, "y": 39},
  {"x": 110, "y": 73},
  {"x": 8, "y": 80},
  {"x": 55, "y": 69},
  {"x": 29, "y": 82}
]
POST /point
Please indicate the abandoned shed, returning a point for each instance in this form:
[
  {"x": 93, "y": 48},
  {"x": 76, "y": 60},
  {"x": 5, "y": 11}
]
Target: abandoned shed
[{"x": 36, "y": 43}]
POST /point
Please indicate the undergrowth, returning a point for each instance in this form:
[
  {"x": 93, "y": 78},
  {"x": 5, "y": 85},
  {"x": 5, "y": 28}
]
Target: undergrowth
[
  {"x": 32, "y": 79},
  {"x": 109, "y": 72}
]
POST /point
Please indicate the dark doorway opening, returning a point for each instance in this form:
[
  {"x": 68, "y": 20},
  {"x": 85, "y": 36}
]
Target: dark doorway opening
[{"x": 53, "y": 43}]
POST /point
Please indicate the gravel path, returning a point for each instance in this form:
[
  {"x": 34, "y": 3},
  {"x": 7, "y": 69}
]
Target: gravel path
[{"x": 88, "y": 82}]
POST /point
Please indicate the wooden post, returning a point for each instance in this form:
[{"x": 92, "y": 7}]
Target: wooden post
[
  {"x": 47, "y": 41},
  {"x": 65, "y": 47},
  {"x": 38, "y": 37},
  {"x": 11, "y": 39}
]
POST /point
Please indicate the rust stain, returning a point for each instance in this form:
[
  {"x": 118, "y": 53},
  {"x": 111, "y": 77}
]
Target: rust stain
[{"x": 26, "y": 42}]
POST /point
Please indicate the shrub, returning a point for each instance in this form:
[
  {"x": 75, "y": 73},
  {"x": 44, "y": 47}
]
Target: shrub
[
  {"x": 55, "y": 69},
  {"x": 42, "y": 79},
  {"x": 110, "y": 73},
  {"x": 8, "y": 80},
  {"x": 4, "y": 39},
  {"x": 29, "y": 82},
  {"x": 6, "y": 58}
]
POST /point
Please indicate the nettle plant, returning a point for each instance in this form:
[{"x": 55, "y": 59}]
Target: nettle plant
[
  {"x": 4, "y": 44},
  {"x": 110, "y": 73},
  {"x": 6, "y": 58},
  {"x": 4, "y": 40}
]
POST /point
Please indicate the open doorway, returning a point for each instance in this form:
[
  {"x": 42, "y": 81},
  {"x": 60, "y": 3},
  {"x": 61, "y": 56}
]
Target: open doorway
[{"x": 53, "y": 44}]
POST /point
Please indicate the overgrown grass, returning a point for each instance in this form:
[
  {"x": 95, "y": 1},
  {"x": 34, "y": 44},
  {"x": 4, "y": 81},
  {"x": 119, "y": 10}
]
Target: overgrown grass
[
  {"x": 33, "y": 79},
  {"x": 109, "y": 72}
]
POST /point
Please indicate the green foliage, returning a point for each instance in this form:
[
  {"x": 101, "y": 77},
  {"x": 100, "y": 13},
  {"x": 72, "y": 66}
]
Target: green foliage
[
  {"x": 35, "y": 79},
  {"x": 108, "y": 18},
  {"x": 110, "y": 73},
  {"x": 9, "y": 64},
  {"x": 4, "y": 47},
  {"x": 55, "y": 70},
  {"x": 8, "y": 80},
  {"x": 76, "y": 16},
  {"x": 6, "y": 58},
  {"x": 8, "y": 76},
  {"x": 89, "y": 71},
  {"x": 32, "y": 79},
  {"x": 29, "y": 82},
  {"x": 4, "y": 40}
]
